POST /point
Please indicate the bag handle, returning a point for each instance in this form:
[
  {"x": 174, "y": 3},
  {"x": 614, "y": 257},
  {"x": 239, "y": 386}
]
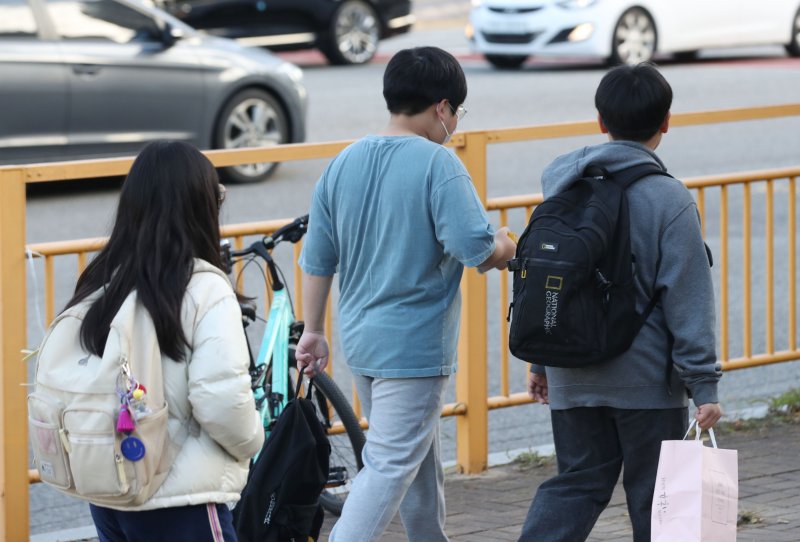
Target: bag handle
[
  {"x": 698, "y": 432},
  {"x": 300, "y": 385}
]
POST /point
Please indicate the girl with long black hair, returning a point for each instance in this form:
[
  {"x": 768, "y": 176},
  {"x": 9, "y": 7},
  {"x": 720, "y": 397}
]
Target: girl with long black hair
[{"x": 165, "y": 246}]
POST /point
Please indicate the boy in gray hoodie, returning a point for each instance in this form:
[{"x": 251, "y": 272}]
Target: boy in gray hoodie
[{"x": 618, "y": 412}]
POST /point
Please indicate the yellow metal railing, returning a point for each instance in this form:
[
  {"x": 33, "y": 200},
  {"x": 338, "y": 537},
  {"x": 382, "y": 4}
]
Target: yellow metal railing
[
  {"x": 472, "y": 400},
  {"x": 81, "y": 248}
]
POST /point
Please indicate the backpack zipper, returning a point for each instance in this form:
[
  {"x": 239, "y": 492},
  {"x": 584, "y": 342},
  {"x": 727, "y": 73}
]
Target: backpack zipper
[
  {"x": 91, "y": 439},
  {"x": 571, "y": 235},
  {"x": 123, "y": 480},
  {"x": 62, "y": 433},
  {"x": 270, "y": 509},
  {"x": 554, "y": 263}
]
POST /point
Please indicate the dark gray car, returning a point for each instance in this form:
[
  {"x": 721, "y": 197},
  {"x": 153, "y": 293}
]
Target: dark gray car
[{"x": 88, "y": 78}]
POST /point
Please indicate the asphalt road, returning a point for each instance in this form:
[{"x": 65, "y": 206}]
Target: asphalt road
[{"x": 346, "y": 103}]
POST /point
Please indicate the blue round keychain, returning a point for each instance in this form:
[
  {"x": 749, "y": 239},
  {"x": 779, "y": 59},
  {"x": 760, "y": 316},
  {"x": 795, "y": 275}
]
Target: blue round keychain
[{"x": 132, "y": 448}]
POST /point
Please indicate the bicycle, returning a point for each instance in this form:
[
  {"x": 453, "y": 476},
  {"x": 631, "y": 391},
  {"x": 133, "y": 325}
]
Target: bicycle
[{"x": 273, "y": 372}]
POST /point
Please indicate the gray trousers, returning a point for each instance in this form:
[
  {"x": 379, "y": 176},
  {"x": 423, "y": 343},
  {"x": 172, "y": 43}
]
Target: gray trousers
[{"x": 402, "y": 465}]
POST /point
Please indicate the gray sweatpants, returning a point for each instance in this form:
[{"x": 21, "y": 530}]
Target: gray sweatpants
[{"x": 402, "y": 466}]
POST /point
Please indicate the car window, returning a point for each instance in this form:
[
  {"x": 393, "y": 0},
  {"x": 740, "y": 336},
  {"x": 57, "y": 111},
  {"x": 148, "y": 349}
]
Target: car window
[
  {"x": 102, "y": 20},
  {"x": 16, "y": 20}
]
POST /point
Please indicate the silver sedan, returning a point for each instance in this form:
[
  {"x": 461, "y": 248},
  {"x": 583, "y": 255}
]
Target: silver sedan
[{"x": 90, "y": 78}]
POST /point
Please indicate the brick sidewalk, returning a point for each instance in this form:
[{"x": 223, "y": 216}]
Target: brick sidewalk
[{"x": 492, "y": 506}]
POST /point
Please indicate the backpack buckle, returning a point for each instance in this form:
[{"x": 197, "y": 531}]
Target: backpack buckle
[
  {"x": 602, "y": 282},
  {"x": 514, "y": 264}
]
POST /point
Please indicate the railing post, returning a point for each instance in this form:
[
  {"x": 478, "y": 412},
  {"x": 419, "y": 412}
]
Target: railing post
[
  {"x": 472, "y": 445},
  {"x": 13, "y": 371}
]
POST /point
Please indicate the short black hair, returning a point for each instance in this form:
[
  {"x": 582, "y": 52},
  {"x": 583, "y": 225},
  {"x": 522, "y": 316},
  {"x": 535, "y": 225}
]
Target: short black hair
[
  {"x": 633, "y": 101},
  {"x": 416, "y": 78}
]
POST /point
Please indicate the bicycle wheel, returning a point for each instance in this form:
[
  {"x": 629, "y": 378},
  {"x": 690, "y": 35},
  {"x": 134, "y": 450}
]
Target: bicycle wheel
[{"x": 332, "y": 407}]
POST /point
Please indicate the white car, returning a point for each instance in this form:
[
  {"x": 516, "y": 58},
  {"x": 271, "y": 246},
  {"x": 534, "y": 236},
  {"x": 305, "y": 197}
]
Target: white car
[{"x": 507, "y": 32}]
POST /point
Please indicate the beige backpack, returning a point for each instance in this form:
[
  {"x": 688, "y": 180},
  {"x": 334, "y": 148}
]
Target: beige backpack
[{"x": 76, "y": 402}]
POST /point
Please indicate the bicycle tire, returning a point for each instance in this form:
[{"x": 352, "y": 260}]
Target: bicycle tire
[{"x": 341, "y": 455}]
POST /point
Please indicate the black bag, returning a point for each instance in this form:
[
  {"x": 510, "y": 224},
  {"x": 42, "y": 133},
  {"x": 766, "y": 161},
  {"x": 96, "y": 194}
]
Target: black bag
[
  {"x": 280, "y": 502},
  {"x": 574, "y": 300}
]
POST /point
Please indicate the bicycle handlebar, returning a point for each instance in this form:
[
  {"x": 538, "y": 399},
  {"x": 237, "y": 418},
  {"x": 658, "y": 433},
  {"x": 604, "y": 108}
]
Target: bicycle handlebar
[{"x": 291, "y": 232}]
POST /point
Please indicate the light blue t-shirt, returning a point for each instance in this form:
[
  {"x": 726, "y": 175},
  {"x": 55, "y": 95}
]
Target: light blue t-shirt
[{"x": 398, "y": 218}]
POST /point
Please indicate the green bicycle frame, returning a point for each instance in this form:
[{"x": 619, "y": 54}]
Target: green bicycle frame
[{"x": 275, "y": 345}]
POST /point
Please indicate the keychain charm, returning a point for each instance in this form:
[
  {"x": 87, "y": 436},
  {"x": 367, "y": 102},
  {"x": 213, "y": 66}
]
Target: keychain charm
[
  {"x": 125, "y": 423},
  {"x": 132, "y": 448},
  {"x": 132, "y": 399},
  {"x": 138, "y": 401}
]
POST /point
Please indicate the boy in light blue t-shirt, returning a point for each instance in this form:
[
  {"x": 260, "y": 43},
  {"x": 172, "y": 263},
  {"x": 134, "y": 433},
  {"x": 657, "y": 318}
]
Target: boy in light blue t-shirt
[{"x": 397, "y": 217}]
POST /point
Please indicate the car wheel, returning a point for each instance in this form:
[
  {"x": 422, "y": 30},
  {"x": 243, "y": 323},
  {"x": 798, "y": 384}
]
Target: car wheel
[
  {"x": 252, "y": 118},
  {"x": 793, "y": 47},
  {"x": 506, "y": 62},
  {"x": 353, "y": 35},
  {"x": 634, "y": 38}
]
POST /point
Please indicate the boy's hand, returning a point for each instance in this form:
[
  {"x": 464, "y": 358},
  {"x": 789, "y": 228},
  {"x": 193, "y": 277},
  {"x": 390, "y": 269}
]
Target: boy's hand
[
  {"x": 508, "y": 245},
  {"x": 504, "y": 250},
  {"x": 707, "y": 415},
  {"x": 312, "y": 353},
  {"x": 537, "y": 388}
]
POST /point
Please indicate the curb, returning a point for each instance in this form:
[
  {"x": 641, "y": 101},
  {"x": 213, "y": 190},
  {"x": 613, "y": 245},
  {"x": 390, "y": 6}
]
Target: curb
[{"x": 67, "y": 535}]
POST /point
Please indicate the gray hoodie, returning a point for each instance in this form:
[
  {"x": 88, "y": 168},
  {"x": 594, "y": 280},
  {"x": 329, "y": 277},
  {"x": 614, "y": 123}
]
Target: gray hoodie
[{"x": 670, "y": 256}]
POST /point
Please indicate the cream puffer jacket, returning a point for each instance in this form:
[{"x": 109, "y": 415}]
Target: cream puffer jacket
[{"x": 212, "y": 389}]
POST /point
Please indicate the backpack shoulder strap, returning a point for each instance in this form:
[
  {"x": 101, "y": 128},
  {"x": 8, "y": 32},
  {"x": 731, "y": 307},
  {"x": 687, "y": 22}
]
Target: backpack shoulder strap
[{"x": 627, "y": 177}]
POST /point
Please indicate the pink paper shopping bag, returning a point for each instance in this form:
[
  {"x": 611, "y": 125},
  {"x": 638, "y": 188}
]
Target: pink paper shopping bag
[{"x": 697, "y": 492}]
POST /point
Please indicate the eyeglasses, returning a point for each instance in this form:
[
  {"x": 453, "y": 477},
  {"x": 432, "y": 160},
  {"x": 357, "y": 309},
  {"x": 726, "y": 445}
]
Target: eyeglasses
[
  {"x": 460, "y": 111},
  {"x": 222, "y": 192}
]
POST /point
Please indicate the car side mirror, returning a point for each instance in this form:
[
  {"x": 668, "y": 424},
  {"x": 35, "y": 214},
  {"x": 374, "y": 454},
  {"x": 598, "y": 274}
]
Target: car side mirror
[{"x": 170, "y": 35}]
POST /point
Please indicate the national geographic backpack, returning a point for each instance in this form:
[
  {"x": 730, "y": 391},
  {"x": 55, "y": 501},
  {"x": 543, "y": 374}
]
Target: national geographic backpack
[
  {"x": 280, "y": 502},
  {"x": 574, "y": 300}
]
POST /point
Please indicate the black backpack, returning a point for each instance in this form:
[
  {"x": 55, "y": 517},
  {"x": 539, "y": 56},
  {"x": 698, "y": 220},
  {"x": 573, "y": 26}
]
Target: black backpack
[
  {"x": 574, "y": 300},
  {"x": 280, "y": 502}
]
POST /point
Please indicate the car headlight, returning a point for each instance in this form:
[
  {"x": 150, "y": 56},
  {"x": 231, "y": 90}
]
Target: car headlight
[
  {"x": 577, "y": 4},
  {"x": 581, "y": 32}
]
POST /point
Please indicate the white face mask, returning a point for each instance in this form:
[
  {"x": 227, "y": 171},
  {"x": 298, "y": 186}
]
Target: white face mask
[{"x": 446, "y": 131}]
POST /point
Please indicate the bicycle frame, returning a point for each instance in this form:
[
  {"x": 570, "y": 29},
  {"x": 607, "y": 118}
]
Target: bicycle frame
[
  {"x": 273, "y": 359},
  {"x": 275, "y": 347}
]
